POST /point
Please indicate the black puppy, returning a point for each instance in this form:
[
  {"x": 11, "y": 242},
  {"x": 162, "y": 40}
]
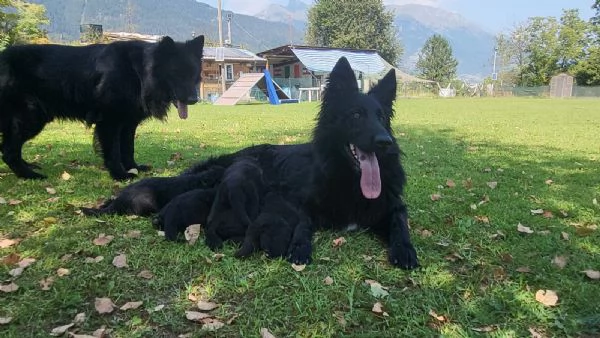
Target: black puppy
[
  {"x": 149, "y": 195},
  {"x": 272, "y": 230},
  {"x": 237, "y": 202},
  {"x": 184, "y": 210}
]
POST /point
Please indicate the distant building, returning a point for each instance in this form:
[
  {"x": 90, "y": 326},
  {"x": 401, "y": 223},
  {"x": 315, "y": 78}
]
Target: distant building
[{"x": 302, "y": 70}]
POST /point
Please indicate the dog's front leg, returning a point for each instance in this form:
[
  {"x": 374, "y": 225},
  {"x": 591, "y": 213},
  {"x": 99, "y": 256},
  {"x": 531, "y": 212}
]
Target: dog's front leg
[
  {"x": 401, "y": 251},
  {"x": 300, "y": 249},
  {"x": 128, "y": 146},
  {"x": 109, "y": 136}
]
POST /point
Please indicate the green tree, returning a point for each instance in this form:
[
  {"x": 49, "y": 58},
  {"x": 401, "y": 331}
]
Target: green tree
[
  {"x": 542, "y": 46},
  {"x": 436, "y": 61},
  {"x": 354, "y": 24},
  {"x": 21, "y": 22},
  {"x": 573, "y": 39},
  {"x": 596, "y": 18}
]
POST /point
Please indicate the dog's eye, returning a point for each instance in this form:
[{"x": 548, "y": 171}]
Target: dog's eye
[{"x": 356, "y": 115}]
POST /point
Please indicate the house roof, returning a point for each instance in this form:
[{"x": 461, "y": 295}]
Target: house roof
[
  {"x": 232, "y": 54},
  {"x": 323, "y": 59}
]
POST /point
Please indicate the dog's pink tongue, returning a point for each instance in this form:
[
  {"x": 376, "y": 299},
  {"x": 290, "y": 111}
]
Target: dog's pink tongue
[
  {"x": 370, "y": 181},
  {"x": 182, "y": 109}
]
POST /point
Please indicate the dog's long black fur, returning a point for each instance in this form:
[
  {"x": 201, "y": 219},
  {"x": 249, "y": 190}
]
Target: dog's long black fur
[{"x": 114, "y": 86}]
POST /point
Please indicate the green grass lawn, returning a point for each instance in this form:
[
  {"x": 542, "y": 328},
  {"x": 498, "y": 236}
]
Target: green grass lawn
[{"x": 503, "y": 157}]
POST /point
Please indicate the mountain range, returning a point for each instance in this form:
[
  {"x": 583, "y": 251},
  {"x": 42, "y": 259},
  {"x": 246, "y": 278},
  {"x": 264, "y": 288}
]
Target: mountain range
[{"x": 271, "y": 26}]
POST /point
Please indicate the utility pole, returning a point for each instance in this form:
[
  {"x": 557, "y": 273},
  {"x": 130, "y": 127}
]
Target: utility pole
[
  {"x": 219, "y": 22},
  {"x": 229, "y": 41}
]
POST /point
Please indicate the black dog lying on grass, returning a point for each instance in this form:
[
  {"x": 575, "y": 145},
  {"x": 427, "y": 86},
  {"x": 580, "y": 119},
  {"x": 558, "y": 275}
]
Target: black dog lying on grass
[
  {"x": 149, "y": 195},
  {"x": 184, "y": 210}
]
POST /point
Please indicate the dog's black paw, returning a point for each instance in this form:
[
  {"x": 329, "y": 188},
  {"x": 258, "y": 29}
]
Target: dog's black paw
[
  {"x": 403, "y": 256},
  {"x": 300, "y": 252},
  {"x": 213, "y": 241},
  {"x": 143, "y": 167}
]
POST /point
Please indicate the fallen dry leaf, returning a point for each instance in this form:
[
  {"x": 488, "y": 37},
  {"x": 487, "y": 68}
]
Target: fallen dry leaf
[
  {"x": 131, "y": 305},
  {"x": 435, "y": 197},
  {"x": 560, "y": 261},
  {"x": 218, "y": 256},
  {"x": 546, "y": 297},
  {"x": 377, "y": 290},
  {"x": 436, "y": 316},
  {"x": 63, "y": 272},
  {"x": 160, "y": 233},
  {"x": 537, "y": 211},
  {"x": 2, "y": 200},
  {"x": 25, "y": 262},
  {"x": 378, "y": 309},
  {"x": 468, "y": 183},
  {"x": 51, "y": 191},
  {"x": 16, "y": 272},
  {"x": 7, "y": 288},
  {"x": 492, "y": 185},
  {"x": 206, "y": 306},
  {"x": 79, "y": 318},
  {"x": 592, "y": 274},
  {"x": 65, "y": 176},
  {"x": 328, "y": 280},
  {"x": 158, "y": 308},
  {"x": 426, "y": 233},
  {"x": 564, "y": 236},
  {"x": 548, "y": 181},
  {"x": 14, "y": 202},
  {"x": 230, "y": 320},
  {"x": 7, "y": 243},
  {"x": 59, "y": 331},
  {"x": 66, "y": 257},
  {"x": 120, "y": 261},
  {"x": 145, "y": 274},
  {"x": 192, "y": 233},
  {"x": 46, "y": 283},
  {"x": 196, "y": 316},
  {"x": 548, "y": 214},
  {"x": 299, "y": 268},
  {"x": 133, "y": 234},
  {"x": 101, "y": 332},
  {"x": 104, "y": 305},
  {"x": 265, "y": 333},
  {"x": 450, "y": 184},
  {"x": 482, "y": 219},
  {"x": 98, "y": 259},
  {"x": 5, "y": 320},
  {"x": 212, "y": 324},
  {"x": 523, "y": 229},
  {"x": 338, "y": 242},
  {"x": 133, "y": 171},
  {"x": 11, "y": 259},
  {"x": 103, "y": 239}
]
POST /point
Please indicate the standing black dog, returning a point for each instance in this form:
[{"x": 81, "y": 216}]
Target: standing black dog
[{"x": 115, "y": 86}]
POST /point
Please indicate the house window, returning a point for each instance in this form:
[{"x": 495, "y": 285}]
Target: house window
[{"x": 229, "y": 72}]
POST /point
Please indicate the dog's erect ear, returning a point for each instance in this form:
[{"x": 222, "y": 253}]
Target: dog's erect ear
[
  {"x": 165, "y": 48},
  {"x": 385, "y": 90},
  {"x": 196, "y": 45},
  {"x": 342, "y": 79}
]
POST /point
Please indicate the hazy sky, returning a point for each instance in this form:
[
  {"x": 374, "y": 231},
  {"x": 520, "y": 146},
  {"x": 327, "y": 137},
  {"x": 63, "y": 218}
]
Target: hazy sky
[{"x": 496, "y": 15}]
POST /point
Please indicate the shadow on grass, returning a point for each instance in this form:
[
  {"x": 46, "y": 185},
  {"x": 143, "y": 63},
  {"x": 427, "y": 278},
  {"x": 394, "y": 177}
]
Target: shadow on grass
[{"x": 470, "y": 271}]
